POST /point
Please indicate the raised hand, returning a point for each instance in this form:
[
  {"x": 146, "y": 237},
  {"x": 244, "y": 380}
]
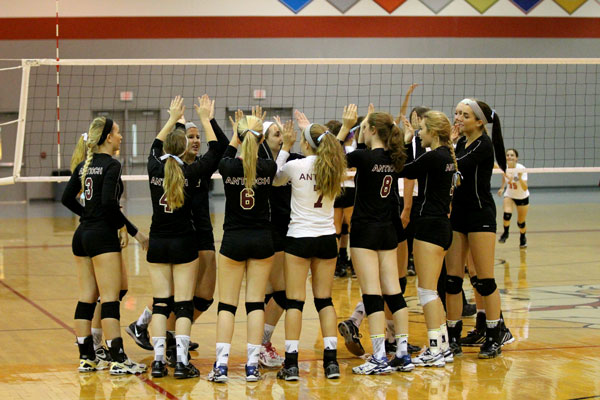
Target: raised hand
[
  {"x": 301, "y": 119},
  {"x": 289, "y": 136},
  {"x": 212, "y": 110},
  {"x": 176, "y": 109},
  {"x": 203, "y": 110},
  {"x": 455, "y": 134},
  {"x": 278, "y": 120},
  {"x": 350, "y": 116},
  {"x": 414, "y": 120},
  {"x": 257, "y": 112},
  {"x": 239, "y": 114},
  {"x": 370, "y": 109},
  {"x": 409, "y": 132}
]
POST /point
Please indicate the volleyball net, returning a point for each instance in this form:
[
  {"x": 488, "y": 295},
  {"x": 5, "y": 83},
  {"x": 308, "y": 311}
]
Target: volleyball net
[{"x": 549, "y": 108}]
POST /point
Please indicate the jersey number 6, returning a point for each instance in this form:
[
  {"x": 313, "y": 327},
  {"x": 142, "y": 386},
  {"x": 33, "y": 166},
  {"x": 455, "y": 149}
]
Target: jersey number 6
[
  {"x": 386, "y": 186},
  {"x": 247, "y": 199}
]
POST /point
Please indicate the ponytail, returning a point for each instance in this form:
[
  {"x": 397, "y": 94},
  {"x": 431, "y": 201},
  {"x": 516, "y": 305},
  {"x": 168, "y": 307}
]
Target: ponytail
[
  {"x": 330, "y": 166},
  {"x": 437, "y": 123},
  {"x": 491, "y": 116},
  {"x": 79, "y": 153},
  {"x": 94, "y": 135},
  {"x": 174, "y": 180},
  {"x": 392, "y": 135},
  {"x": 250, "y": 132}
]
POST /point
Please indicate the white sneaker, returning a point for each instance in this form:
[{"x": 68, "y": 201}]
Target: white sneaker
[
  {"x": 268, "y": 356},
  {"x": 428, "y": 359},
  {"x": 373, "y": 366},
  {"x": 127, "y": 367}
]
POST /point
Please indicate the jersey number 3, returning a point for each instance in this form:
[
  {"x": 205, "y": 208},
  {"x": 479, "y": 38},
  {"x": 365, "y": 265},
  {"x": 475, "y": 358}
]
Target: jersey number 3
[
  {"x": 163, "y": 202},
  {"x": 247, "y": 199},
  {"x": 386, "y": 186},
  {"x": 89, "y": 188}
]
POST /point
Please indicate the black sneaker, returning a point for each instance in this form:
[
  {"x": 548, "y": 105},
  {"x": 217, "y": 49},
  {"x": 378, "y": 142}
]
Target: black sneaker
[
  {"x": 523, "y": 241},
  {"x": 454, "y": 338},
  {"x": 505, "y": 336},
  {"x": 159, "y": 369},
  {"x": 503, "y": 237},
  {"x": 412, "y": 349},
  {"x": 183, "y": 371},
  {"x": 390, "y": 347},
  {"x": 140, "y": 336},
  {"x": 332, "y": 370},
  {"x": 171, "y": 356},
  {"x": 469, "y": 310},
  {"x": 456, "y": 349},
  {"x": 291, "y": 373},
  {"x": 351, "y": 337},
  {"x": 193, "y": 346},
  {"x": 474, "y": 338},
  {"x": 340, "y": 268},
  {"x": 490, "y": 349}
]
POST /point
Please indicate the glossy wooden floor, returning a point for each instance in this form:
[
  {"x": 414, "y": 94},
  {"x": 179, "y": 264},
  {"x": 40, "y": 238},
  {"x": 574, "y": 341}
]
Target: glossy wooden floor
[{"x": 550, "y": 293}]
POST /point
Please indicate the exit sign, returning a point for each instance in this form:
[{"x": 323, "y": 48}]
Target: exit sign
[
  {"x": 260, "y": 94},
  {"x": 126, "y": 96}
]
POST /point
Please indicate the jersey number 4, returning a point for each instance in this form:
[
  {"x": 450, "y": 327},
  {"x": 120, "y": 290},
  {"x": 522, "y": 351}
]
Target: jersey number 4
[
  {"x": 247, "y": 199},
  {"x": 89, "y": 188},
  {"x": 163, "y": 202},
  {"x": 386, "y": 186}
]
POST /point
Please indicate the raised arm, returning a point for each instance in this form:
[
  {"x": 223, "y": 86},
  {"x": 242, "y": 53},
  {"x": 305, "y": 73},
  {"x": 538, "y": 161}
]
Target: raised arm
[
  {"x": 176, "y": 110},
  {"x": 349, "y": 118},
  {"x": 204, "y": 110},
  {"x": 404, "y": 106}
]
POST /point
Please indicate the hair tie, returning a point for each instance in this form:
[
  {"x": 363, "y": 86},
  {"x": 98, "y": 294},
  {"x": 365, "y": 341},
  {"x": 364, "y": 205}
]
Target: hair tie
[
  {"x": 493, "y": 113},
  {"x": 84, "y": 135},
  {"x": 322, "y": 136},
  {"x": 108, "y": 125},
  {"x": 308, "y": 137},
  {"x": 173, "y": 156}
]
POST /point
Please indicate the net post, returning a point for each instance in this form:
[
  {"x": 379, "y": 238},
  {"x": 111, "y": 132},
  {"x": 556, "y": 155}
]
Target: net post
[{"x": 20, "y": 142}]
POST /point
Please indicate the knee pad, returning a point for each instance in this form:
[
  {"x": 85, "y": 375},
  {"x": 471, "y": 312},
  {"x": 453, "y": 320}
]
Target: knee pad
[
  {"x": 338, "y": 236},
  {"x": 85, "y": 310},
  {"x": 322, "y": 303},
  {"x": 344, "y": 229},
  {"x": 453, "y": 284},
  {"x": 122, "y": 294},
  {"x": 297, "y": 304},
  {"x": 485, "y": 287},
  {"x": 395, "y": 302},
  {"x": 521, "y": 224},
  {"x": 226, "y": 307},
  {"x": 279, "y": 297},
  {"x": 268, "y": 297},
  {"x": 373, "y": 303},
  {"x": 162, "y": 306},
  {"x": 253, "y": 306},
  {"x": 507, "y": 216},
  {"x": 110, "y": 310},
  {"x": 403, "y": 282},
  {"x": 426, "y": 296},
  {"x": 184, "y": 309},
  {"x": 474, "y": 281},
  {"x": 201, "y": 304}
]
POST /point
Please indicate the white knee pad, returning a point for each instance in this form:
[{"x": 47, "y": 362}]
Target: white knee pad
[{"x": 426, "y": 295}]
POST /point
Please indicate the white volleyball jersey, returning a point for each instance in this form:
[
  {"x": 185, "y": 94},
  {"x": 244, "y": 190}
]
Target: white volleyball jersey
[
  {"x": 513, "y": 186},
  {"x": 349, "y": 182},
  {"x": 311, "y": 214}
]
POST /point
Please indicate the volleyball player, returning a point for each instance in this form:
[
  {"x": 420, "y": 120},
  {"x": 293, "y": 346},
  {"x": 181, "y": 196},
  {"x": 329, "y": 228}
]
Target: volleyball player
[
  {"x": 97, "y": 247},
  {"x": 517, "y": 193},
  {"x": 433, "y": 233},
  {"x": 473, "y": 220},
  {"x": 279, "y": 202},
  {"x": 373, "y": 240},
  {"x": 247, "y": 244},
  {"x": 311, "y": 240}
]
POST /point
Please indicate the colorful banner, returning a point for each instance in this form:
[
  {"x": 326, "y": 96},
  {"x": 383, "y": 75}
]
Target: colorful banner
[
  {"x": 570, "y": 6},
  {"x": 296, "y": 5},
  {"x": 343, "y": 5},
  {"x": 437, "y": 5},
  {"x": 526, "y": 5},
  {"x": 390, "y": 5},
  {"x": 482, "y": 5}
]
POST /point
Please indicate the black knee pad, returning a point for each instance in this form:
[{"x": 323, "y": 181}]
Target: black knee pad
[
  {"x": 110, "y": 310},
  {"x": 486, "y": 287},
  {"x": 474, "y": 281},
  {"x": 403, "y": 282},
  {"x": 338, "y": 235},
  {"x": 122, "y": 294},
  {"x": 85, "y": 310},
  {"x": 268, "y": 297},
  {"x": 226, "y": 307},
  {"x": 297, "y": 304},
  {"x": 162, "y": 306},
  {"x": 184, "y": 309},
  {"x": 322, "y": 303},
  {"x": 253, "y": 306},
  {"x": 280, "y": 299},
  {"x": 202, "y": 304},
  {"x": 395, "y": 302},
  {"x": 454, "y": 284},
  {"x": 373, "y": 303},
  {"x": 507, "y": 216},
  {"x": 344, "y": 229},
  {"x": 521, "y": 224}
]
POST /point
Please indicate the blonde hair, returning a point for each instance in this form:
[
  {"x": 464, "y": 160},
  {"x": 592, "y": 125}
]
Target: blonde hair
[
  {"x": 392, "y": 135},
  {"x": 94, "y": 135},
  {"x": 249, "y": 150},
  {"x": 78, "y": 154},
  {"x": 330, "y": 165},
  {"x": 438, "y": 124},
  {"x": 174, "y": 180}
]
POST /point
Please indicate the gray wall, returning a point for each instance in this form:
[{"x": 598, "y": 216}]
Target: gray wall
[{"x": 543, "y": 110}]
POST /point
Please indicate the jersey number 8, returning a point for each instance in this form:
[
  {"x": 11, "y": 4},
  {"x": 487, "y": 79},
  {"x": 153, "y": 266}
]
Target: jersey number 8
[
  {"x": 386, "y": 186},
  {"x": 247, "y": 199},
  {"x": 89, "y": 188}
]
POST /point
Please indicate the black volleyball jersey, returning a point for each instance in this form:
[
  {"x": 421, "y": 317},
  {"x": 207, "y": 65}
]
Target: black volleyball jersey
[
  {"x": 167, "y": 222},
  {"x": 200, "y": 207},
  {"x": 475, "y": 163},
  {"x": 246, "y": 208},
  {"x": 101, "y": 195},
  {"x": 376, "y": 184},
  {"x": 434, "y": 171}
]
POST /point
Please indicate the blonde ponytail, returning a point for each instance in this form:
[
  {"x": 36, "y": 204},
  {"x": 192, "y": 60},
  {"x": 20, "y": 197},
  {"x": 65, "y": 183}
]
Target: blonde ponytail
[
  {"x": 248, "y": 128},
  {"x": 174, "y": 180},
  {"x": 78, "y": 154},
  {"x": 330, "y": 165},
  {"x": 94, "y": 135},
  {"x": 437, "y": 123}
]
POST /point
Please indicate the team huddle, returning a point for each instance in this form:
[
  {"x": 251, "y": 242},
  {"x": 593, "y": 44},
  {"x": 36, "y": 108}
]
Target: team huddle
[{"x": 281, "y": 221}]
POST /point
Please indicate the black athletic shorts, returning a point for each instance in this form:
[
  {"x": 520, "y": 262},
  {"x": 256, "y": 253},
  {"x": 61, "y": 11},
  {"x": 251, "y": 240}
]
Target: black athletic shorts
[
  {"x": 346, "y": 199},
  {"x": 521, "y": 202},
  {"x": 205, "y": 239},
  {"x": 473, "y": 220},
  {"x": 93, "y": 242},
  {"x": 324, "y": 247},
  {"x": 436, "y": 230},
  {"x": 172, "y": 250},
  {"x": 243, "y": 244},
  {"x": 400, "y": 232},
  {"x": 278, "y": 234},
  {"x": 373, "y": 236}
]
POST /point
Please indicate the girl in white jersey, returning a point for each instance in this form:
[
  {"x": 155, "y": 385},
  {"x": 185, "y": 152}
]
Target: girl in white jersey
[
  {"x": 311, "y": 242},
  {"x": 517, "y": 192}
]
